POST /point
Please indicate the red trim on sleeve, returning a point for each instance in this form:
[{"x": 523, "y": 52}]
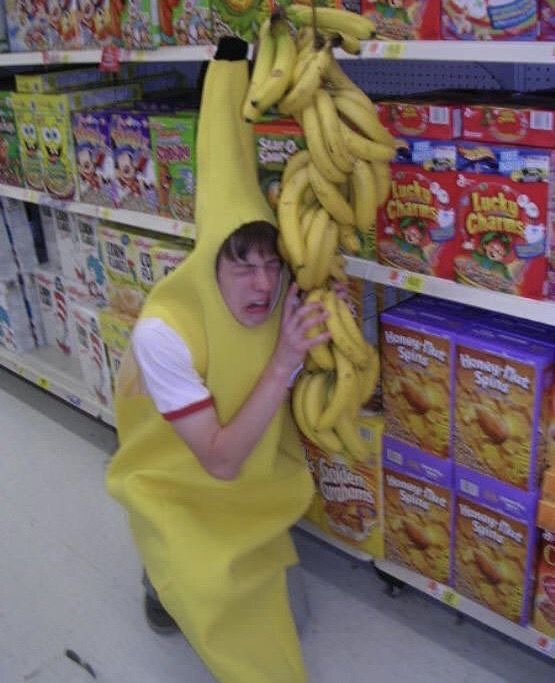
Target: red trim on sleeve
[{"x": 187, "y": 410}]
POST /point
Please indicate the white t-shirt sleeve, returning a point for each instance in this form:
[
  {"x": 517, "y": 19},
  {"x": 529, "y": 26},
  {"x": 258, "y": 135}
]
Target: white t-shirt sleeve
[{"x": 167, "y": 368}]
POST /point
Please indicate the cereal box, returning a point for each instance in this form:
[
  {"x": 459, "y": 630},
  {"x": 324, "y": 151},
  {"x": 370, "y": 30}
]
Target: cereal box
[
  {"x": 418, "y": 509},
  {"x": 135, "y": 180},
  {"x": 91, "y": 271},
  {"x": 489, "y": 20},
  {"x": 8, "y": 266},
  {"x": 95, "y": 28},
  {"x": 56, "y": 81},
  {"x": 173, "y": 148},
  {"x": 417, "y": 355},
  {"x": 504, "y": 217},
  {"x": 63, "y": 25},
  {"x": 21, "y": 232},
  {"x": 546, "y": 10},
  {"x": 495, "y": 544},
  {"x": 544, "y": 599},
  {"x": 416, "y": 225},
  {"x": 124, "y": 291},
  {"x": 56, "y": 311},
  {"x": 30, "y": 293},
  {"x": 142, "y": 245},
  {"x": 275, "y": 141},
  {"x": 95, "y": 161},
  {"x": 24, "y": 107},
  {"x": 115, "y": 329},
  {"x": 15, "y": 328},
  {"x": 28, "y": 24},
  {"x": 420, "y": 118},
  {"x": 405, "y": 20},
  {"x": 167, "y": 257},
  {"x": 67, "y": 241},
  {"x": 11, "y": 171},
  {"x": 347, "y": 504},
  {"x": 501, "y": 399},
  {"x": 92, "y": 353},
  {"x": 3, "y": 30},
  {"x": 234, "y": 17},
  {"x": 510, "y": 124},
  {"x": 185, "y": 22},
  {"x": 135, "y": 24}
]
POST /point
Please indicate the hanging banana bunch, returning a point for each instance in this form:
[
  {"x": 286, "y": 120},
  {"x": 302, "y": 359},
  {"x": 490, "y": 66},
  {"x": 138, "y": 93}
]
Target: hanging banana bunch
[{"x": 330, "y": 193}]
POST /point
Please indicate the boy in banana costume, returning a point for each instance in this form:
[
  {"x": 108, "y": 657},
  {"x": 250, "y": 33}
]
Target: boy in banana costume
[{"x": 212, "y": 494}]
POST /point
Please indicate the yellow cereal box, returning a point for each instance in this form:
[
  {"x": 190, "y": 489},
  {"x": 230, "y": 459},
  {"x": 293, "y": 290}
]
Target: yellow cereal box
[
  {"x": 347, "y": 504},
  {"x": 166, "y": 257},
  {"x": 115, "y": 330}
]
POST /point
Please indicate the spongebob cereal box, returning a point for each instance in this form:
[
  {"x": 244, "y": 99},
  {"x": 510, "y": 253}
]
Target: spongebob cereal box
[
  {"x": 404, "y": 19},
  {"x": 24, "y": 107},
  {"x": 495, "y": 544},
  {"x": 347, "y": 504},
  {"x": 502, "y": 393},
  {"x": 418, "y": 510}
]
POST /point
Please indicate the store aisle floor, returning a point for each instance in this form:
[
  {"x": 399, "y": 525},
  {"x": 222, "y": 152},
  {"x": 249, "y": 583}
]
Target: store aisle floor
[{"x": 70, "y": 579}]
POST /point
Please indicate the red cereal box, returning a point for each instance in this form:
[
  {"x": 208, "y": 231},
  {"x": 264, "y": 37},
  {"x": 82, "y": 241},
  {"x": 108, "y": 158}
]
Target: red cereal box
[
  {"x": 521, "y": 125},
  {"x": 489, "y": 20},
  {"x": 416, "y": 226},
  {"x": 418, "y": 118},
  {"x": 404, "y": 19},
  {"x": 547, "y": 19},
  {"x": 504, "y": 217}
]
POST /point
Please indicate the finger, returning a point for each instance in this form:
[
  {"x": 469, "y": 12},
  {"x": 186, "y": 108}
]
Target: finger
[
  {"x": 308, "y": 309},
  {"x": 313, "y": 321},
  {"x": 320, "y": 339},
  {"x": 291, "y": 300}
]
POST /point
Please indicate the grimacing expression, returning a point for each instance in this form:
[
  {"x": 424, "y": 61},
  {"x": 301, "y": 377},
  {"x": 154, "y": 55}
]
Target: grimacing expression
[{"x": 250, "y": 286}]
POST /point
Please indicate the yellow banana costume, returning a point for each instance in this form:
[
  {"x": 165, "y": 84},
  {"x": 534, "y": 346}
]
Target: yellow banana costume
[{"x": 216, "y": 551}]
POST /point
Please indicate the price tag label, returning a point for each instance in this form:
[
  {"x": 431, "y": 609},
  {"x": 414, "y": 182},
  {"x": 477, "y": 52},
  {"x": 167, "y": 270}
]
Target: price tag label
[
  {"x": 443, "y": 593},
  {"x": 433, "y": 588},
  {"x": 375, "y": 49},
  {"x": 394, "y": 51},
  {"x": 53, "y": 57},
  {"x": 139, "y": 55},
  {"x": 105, "y": 213},
  {"x": 33, "y": 197},
  {"x": 110, "y": 59},
  {"x": 545, "y": 644},
  {"x": 450, "y": 598},
  {"x": 43, "y": 383},
  {"x": 414, "y": 282}
]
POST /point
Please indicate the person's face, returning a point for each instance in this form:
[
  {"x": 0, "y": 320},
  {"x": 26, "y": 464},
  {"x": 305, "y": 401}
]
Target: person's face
[
  {"x": 495, "y": 251},
  {"x": 412, "y": 235},
  {"x": 250, "y": 287}
]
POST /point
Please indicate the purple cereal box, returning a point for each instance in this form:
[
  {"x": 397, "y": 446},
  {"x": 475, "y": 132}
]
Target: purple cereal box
[
  {"x": 417, "y": 350},
  {"x": 494, "y": 544},
  {"x": 95, "y": 162},
  {"x": 135, "y": 179},
  {"x": 418, "y": 510},
  {"x": 501, "y": 404}
]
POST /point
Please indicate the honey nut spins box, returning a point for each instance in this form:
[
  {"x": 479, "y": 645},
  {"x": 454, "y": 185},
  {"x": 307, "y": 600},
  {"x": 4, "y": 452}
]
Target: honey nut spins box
[{"x": 544, "y": 599}]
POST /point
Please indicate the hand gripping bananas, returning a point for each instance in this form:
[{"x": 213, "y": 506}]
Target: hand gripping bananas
[{"x": 330, "y": 195}]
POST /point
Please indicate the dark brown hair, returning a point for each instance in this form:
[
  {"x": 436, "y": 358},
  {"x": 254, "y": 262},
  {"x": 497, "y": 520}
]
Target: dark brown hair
[{"x": 259, "y": 236}]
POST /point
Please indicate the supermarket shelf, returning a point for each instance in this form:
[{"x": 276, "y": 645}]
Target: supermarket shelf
[
  {"x": 524, "y": 634},
  {"x": 52, "y": 371},
  {"x": 538, "y": 52},
  {"x": 137, "y": 219},
  {"x": 314, "y": 530},
  {"x": 542, "y": 311}
]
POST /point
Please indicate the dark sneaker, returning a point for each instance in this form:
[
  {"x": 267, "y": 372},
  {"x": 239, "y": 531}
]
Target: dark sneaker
[{"x": 158, "y": 619}]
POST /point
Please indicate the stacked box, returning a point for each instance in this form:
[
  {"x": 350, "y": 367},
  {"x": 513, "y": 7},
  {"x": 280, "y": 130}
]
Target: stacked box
[
  {"x": 417, "y": 117},
  {"x": 173, "y": 148},
  {"x": 56, "y": 311},
  {"x": 58, "y": 81},
  {"x": 135, "y": 179},
  {"x": 504, "y": 216},
  {"x": 186, "y": 22},
  {"x": 91, "y": 270},
  {"x": 27, "y": 25},
  {"x": 495, "y": 544},
  {"x": 544, "y": 599},
  {"x": 124, "y": 292},
  {"x": 15, "y": 329},
  {"x": 92, "y": 353},
  {"x": 167, "y": 257},
  {"x": 94, "y": 157},
  {"x": 95, "y": 23},
  {"x": 347, "y": 504},
  {"x": 115, "y": 329},
  {"x": 417, "y": 356},
  {"x": 8, "y": 266},
  {"x": 63, "y": 25},
  {"x": 67, "y": 241},
  {"x": 30, "y": 293},
  {"x": 135, "y": 25},
  {"x": 418, "y": 510},
  {"x": 416, "y": 226},
  {"x": 501, "y": 397},
  {"x": 49, "y": 231},
  {"x": 404, "y": 21},
  {"x": 24, "y": 109},
  {"x": 516, "y": 124},
  {"x": 141, "y": 245},
  {"x": 11, "y": 171},
  {"x": 489, "y": 20},
  {"x": 25, "y": 235}
]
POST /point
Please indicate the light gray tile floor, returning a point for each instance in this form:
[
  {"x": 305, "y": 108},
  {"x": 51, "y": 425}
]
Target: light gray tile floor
[{"x": 70, "y": 579}]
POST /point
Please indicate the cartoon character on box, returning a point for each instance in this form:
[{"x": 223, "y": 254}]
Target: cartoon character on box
[
  {"x": 95, "y": 277},
  {"x": 53, "y": 144},
  {"x": 489, "y": 20},
  {"x": 90, "y": 164},
  {"x": 166, "y": 8},
  {"x": 413, "y": 237},
  {"x": 494, "y": 252},
  {"x": 63, "y": 21},
  {"x": 130, "y": 169},
  {"x": 94, "y": 22}
]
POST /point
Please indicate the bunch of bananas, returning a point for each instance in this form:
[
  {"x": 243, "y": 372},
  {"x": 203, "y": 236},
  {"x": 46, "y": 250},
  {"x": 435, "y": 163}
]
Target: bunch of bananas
[{"x": 330, "y": 193}]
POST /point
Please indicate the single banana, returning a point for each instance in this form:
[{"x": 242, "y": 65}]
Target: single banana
[
  {"x": 297, "y": 403},
  {"x": 337, "y": 268},
  {"x": 325, "y": 252},
  {"x": 345, "y": 41},
  {"x": 347, "y": 429},
  {"x": 348, "y": 239},
  {"x": 343, "y": 391},
  {"x": 294, "y": 163},
  {"x": 314, "y": 401},
  {"x": 289, "y": 216},
  {"x": 302, "y": 91},
  {"x": 265, "y": 56},
  {"x": 317, "y": 148},
  {"x": 309, "y": 198},
  {"x": 306, "y": 276},
  {"x": 338, "y": 80},
  {"x": 351, "y": 327},
  {"x": 304, "y": 56},
  {"x": 321, "y": 353},
  {"x": 334, "y": 20},
  {"x": 330, "y": 197},
  {"x": 307, "y": 216},
  {"x": 368, "y": 377},
  {"x": 382, "y": 177},
  {"x": 329, "y": 125},
  {"x": 360, "y": 146},
  {"x": 365, "y": 198},
  {"x": 368, "y": 124},
  {"x": 356, "y": 95},
  {"x": 340, "y": 337},
  {"x": 279, "y": 78}
]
